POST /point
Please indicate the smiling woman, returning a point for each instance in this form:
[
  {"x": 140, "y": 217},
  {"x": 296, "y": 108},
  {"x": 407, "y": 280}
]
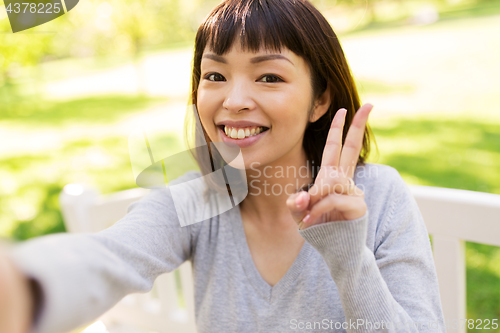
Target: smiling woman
[
  {"x": 334, "y": 243},
  {"x": 241, "y": 100}
]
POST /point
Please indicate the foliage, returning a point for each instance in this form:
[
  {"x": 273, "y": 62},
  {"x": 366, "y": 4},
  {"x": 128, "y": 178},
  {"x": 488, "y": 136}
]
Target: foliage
[
  {"x": 94, "y": 28},
  {"x": 26, "y": 48}
]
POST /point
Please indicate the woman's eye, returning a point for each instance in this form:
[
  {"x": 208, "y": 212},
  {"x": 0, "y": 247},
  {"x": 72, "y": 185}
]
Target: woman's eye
[
  {"x": 269, "y": 78},
  {"x": 214, "y": 77}
]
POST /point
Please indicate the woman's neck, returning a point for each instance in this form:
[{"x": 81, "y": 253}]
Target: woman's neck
[{"x": 270, "y": 186}]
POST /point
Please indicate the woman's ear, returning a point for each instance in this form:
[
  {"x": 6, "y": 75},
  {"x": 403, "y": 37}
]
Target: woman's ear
[{"x": 321, "y": 105}]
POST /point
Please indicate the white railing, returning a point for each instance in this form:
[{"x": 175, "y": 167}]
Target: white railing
[{"x": 451, "y": 216}]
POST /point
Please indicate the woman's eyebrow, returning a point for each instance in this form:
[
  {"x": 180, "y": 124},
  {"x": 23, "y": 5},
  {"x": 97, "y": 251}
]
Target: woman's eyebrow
[{"x": 254, "y": 60}]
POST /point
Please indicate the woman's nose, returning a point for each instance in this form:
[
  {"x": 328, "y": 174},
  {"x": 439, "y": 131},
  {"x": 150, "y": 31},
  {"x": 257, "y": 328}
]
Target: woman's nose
[{"x": 238, "y": 97}]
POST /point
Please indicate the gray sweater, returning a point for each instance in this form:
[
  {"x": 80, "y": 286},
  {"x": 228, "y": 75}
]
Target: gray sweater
[{"x": 375, "y": 273}]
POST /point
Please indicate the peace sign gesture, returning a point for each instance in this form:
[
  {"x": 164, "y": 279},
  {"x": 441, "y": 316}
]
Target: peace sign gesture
[{"x": 334, "y": 196}]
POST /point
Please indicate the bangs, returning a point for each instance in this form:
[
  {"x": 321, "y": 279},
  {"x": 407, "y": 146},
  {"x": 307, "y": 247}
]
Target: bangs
[{"x": 257, "y": 23}]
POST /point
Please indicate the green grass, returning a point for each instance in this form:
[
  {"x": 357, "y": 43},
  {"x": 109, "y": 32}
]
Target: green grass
[
  {"x": 383, "y": 88},
  {"x": 454, "y": 152},
  {"x": 483, "y": 281},
  {"x": 479, "y": 9},
  {"x": 90, "y": 110}
]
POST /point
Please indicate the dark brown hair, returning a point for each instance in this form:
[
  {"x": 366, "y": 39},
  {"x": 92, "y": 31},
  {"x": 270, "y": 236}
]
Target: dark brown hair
[{"x": 300, "y": 27}]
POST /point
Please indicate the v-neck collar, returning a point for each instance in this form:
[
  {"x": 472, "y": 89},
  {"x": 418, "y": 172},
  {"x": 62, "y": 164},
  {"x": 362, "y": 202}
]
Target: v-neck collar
[{"x": 261, "y": 286}]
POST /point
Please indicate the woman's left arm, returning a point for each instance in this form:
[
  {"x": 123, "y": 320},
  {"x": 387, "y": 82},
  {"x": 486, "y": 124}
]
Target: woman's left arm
[{"x": 394, "y": 286}]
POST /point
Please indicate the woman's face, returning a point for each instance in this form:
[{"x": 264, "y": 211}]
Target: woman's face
[{"x": 261, "y": 100}]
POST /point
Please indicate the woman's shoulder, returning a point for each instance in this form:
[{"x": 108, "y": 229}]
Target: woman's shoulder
[
  {"x": 389, "y": 199},
  {"x": 381, "y": 184},
  {"x": 377, "y": 176}
]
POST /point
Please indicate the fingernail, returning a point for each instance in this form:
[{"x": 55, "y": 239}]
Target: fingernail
[
  {"x": 306, "y": 218},
  {"x": 299, "y": 199}
]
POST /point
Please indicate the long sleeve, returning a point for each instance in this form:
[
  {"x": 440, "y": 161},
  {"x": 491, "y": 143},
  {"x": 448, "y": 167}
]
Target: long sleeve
[
  {"x": 390, "y": 285},
  {"x": 83, "y": 275}
]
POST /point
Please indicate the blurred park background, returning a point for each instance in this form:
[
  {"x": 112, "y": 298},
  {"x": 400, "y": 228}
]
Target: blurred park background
[{"x": 72, "y": 90}]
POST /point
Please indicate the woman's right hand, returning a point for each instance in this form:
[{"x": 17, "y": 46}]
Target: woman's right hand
[{"x": 16, "y": 298}]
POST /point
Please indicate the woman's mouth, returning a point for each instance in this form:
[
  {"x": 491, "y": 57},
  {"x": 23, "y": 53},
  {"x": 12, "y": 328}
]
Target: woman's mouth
[
  {"x": 242, "y": 136},
  {"x": 239, "y": 133}
]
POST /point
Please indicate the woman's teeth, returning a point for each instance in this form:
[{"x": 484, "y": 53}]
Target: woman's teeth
[{"x": 241, "y": 133}]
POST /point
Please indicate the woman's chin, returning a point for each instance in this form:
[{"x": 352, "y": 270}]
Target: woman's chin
[
  {"x": 234, "y": 156},
  {"x": 243, "y": 165}
]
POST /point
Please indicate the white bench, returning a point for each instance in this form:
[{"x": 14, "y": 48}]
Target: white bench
[{"x": 451, "y": 216}]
